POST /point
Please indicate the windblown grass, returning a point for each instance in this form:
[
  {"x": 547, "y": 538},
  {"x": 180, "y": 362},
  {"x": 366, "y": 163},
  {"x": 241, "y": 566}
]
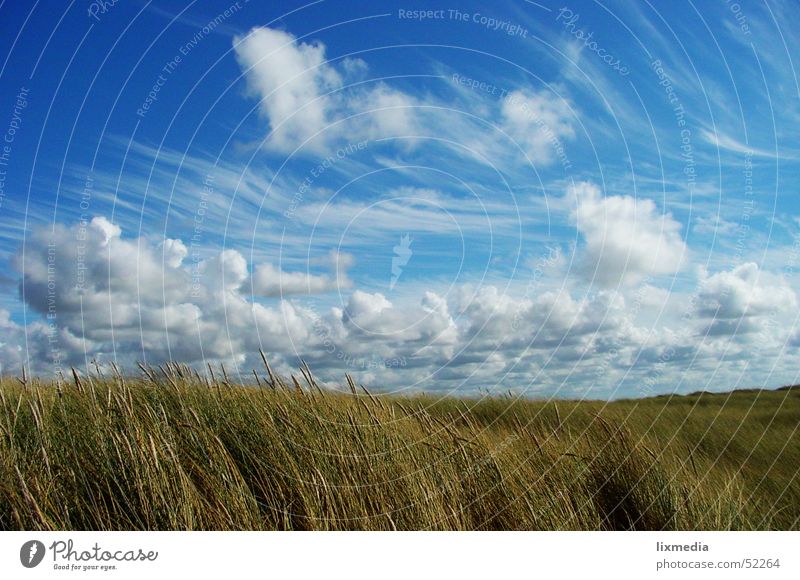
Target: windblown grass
[{"x": 171, "y": 451}]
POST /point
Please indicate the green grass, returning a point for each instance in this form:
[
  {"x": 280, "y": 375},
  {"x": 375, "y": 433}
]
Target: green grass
[{"x": 170, "y": 451}]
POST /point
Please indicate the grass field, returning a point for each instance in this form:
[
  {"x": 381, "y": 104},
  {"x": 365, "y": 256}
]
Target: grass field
[{"x": 171, "y": 451}]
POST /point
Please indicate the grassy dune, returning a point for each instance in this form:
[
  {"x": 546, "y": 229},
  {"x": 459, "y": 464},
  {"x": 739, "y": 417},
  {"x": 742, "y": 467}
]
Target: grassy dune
[{"x": 169, "y": 451}]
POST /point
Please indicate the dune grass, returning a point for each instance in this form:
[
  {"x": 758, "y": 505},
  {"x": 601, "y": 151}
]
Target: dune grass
[{"x": 172, "y": 451}]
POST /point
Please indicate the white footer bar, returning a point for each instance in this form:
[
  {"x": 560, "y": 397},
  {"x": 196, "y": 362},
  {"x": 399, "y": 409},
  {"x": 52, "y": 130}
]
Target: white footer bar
[{"x": 440, "y": 555}]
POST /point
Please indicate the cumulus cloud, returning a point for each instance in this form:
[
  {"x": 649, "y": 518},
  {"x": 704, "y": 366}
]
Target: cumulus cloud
[
  {"x": 135, "y": 299},
  {"x": 305, "y": 97},
  {"x": 174, "y": 252},
  {"x": 423, "y": 324},
  {"x": 271, "y": 281},
  {"x": 114, "y": 298},
  {"x": 743, "y": 300},
  {"x": 627, "y": 239},
  {"x": 102, "y": 295}
]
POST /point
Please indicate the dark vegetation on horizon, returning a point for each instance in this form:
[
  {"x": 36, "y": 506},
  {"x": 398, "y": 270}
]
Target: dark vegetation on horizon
[{"x": 172, "y": 451}]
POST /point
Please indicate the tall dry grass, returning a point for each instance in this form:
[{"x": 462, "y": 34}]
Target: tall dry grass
[{"x": 173, "y": 451}]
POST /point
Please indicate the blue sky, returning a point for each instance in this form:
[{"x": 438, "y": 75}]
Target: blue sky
[{"x": 580, "y": 200}]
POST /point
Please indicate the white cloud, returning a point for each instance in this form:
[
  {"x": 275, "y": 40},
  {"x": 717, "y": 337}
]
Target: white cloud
[
  {"x": 271, "y": 281},
  {"x": 113, "y": 296},
  {"x": 174, "y": 252},
  {"x": 741, "y": 300},
  {"x": 268, "y": 280},
  {"x": 713, "y": 225},
  {"x": 540, "y": 122},
  {"x": 11, "y": 344},
  {"x": 305, "y": 97},
  {"x": 728, "y": 143},
  {"x": 162, "y": 308},
  {"x": 288, "y": 76},
  {"x": 626, "y": 238},
  {"x": 106, "y": 229}
]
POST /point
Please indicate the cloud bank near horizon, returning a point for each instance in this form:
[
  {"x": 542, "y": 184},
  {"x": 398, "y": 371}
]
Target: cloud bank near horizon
[{"x": 423, "y": 216}]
